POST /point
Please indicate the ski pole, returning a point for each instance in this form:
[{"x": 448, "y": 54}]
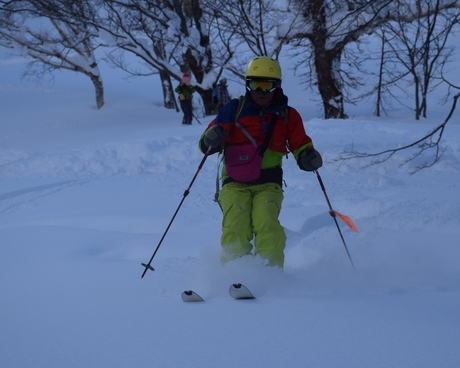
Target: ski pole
[
  {"x": 333, "y": 213},
  {"x": 148, "y": 266},
  {"x": 199, "y": 122}
]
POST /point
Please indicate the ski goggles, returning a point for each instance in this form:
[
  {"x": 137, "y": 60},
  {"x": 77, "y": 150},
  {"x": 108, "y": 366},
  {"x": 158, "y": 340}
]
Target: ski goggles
[{"x": 262, "y": 85}]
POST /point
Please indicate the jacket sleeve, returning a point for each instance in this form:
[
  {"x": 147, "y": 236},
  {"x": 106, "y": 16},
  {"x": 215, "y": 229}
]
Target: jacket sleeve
[
  {"x": 225, "y": 118},
  {"x": 202, "y": 146},
  {"x": 298, "y": 139}
]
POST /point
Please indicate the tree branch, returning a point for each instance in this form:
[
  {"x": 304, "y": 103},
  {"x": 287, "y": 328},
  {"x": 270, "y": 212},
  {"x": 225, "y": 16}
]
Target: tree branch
[{"x": 429, "y": 141}]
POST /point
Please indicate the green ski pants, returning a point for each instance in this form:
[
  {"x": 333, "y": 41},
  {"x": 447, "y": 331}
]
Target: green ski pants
[{"x": 252, "y": 211}]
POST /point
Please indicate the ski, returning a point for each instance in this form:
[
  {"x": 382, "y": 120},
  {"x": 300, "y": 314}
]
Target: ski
[
  {"x": 191, "y": 296},
  {"x": 239, "y": 291}
]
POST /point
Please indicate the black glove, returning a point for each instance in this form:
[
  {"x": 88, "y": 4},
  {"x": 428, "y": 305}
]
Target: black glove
[
  {"x": 310, "y": 160},
  {"x": 214, "y": 136}
]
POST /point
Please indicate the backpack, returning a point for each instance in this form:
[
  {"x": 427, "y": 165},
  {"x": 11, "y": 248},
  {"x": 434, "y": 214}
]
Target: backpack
[{"x": 214, "y": 99}]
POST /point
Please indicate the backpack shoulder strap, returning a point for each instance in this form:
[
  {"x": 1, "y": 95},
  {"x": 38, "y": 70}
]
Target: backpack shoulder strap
[
  {"x": 240, "y": 107},
  {"x": 238, "y": 125},
  {"x": 271, "y": 128},
  {"x": 285, "y": 115}
]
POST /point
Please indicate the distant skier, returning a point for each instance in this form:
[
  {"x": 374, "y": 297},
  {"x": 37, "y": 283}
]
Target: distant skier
[
  {"x": 185, "y": 91},
  {"x": 252, "y": 177},
  {"x": 222, "y": 96}
]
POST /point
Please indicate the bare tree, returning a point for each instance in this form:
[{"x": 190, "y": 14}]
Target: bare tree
[
  {"x": 330, "y": 25},
  {"x": 420, "y": 48},
  {"x": 134, "y": 22},
  {"x": 388, "y": 75},
  {"x": 380, "y": 84},
  {"x": 250, "y": 25},
  {"x": 170, "y": 36},
  {"x": 431, "y": 141},
  {"x": 52, "y": 43},
  {"x": 5, "y": 19},
  {"x": 201, "y": 37}
]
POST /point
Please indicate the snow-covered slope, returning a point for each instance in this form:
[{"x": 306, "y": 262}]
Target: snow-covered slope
[{"x": 86, "y": 195}]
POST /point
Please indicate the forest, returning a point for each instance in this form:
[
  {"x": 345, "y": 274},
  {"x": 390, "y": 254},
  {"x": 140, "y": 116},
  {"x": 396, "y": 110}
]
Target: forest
[{"x": 329, "y": 41}]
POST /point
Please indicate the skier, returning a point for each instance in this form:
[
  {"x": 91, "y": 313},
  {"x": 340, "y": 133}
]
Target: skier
[
  {"x": 222, "y": 94},
  {"x": 185, "y": 91},
  {"x": 252, "y": 193}
]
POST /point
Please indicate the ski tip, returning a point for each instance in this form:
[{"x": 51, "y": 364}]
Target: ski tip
[
  {"x": 239, "y": 291},
  {"x": 191, "y": 296}
]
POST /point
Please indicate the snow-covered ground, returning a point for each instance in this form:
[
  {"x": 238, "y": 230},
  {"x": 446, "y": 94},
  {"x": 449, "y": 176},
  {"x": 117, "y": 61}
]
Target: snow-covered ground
[{"x": 86, "y": 195}]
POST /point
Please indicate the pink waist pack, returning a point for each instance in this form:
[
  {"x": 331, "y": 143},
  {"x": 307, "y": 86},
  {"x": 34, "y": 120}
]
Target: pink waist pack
[{"x": 243, "y": 163}]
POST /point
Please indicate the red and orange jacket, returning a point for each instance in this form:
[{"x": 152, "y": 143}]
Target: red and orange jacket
[{"x": 289, "y": 133}]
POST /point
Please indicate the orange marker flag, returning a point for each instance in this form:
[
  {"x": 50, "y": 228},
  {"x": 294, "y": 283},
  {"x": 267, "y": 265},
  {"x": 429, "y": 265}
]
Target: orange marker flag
[{"x": 347, "y": 221}]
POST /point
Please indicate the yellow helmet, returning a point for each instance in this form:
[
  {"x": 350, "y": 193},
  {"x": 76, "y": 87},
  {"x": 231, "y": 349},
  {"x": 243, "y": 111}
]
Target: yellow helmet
[{"x": 263, "y": 67}]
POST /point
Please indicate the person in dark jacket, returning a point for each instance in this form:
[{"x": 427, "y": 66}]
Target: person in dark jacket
[
  {"x": 222, "y": 94},
  {"x": 185, "y": 91},
  {"x": 251, "y": 194}
]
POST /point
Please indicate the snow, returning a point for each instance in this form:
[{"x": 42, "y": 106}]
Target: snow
[{"x": 86, "y": 195}]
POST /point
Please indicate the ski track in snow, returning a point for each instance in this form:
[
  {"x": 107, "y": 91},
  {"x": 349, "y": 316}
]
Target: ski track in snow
[{"x": 10, "y": 201}]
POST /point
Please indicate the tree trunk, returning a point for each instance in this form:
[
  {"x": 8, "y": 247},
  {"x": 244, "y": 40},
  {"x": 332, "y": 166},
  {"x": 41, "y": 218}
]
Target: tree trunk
[
  {"x": 206, "y": 96},
  {"x": 417, "y": 96},
  {"x": 98, "y": 86},
  {"x": 380, "y": 82},
  {"x": 327, "y": 63},
  {"x": 168, "y": 91}
]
